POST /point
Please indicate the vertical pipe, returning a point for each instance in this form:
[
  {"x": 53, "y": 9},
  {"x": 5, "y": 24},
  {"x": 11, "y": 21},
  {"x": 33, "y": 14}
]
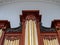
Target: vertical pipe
[
  {"x": 56, "y": 40},
  {"x": 33, "y": 33},
  {"x": 13, "y": 42},
  {"x": 29, "y": 33},
  {"x": 52, "y": 42},
  {"x": 1, "y": 32},
  {"x": 5, "y": 42},
  {"x": 9, "y": 42},
  {"x": 45, "y": 41},
  {"x": 17, "y": 42},
  {"x": 26, "y": 33}
]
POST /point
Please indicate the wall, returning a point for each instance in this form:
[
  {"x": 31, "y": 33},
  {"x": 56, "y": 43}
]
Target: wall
[{"x": 11, "y": 12}]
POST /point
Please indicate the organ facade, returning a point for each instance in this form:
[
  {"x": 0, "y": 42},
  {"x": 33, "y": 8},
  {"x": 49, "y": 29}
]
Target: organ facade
[{"x": 30, "y": 32}]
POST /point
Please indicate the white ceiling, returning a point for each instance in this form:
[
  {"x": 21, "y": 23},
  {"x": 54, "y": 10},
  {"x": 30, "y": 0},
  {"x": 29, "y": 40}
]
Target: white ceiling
[{"x": 2, "y": 2}]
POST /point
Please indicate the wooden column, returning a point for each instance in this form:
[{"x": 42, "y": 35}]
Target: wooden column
[
  {"x": 23, "y": 32},
  {"x": 58, "y": 35}
]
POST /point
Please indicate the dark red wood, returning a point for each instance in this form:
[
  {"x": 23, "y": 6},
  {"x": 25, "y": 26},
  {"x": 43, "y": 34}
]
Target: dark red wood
[
  {"x": 4, "y": 24},
  {"x": 38, "y": 33},
  {"x": 55, "y": 23},
  {"x": 25, "y": 13}
]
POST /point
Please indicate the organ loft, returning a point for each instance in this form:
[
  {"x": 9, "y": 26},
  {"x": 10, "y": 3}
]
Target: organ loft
[{"x": 30, "y": 32}]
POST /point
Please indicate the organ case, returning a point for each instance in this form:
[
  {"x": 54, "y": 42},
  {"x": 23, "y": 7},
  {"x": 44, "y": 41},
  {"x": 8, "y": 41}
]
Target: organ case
[{"x": 31, "y": 31}]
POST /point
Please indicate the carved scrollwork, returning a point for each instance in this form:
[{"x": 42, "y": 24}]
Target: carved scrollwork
[
  {"x": 31, "y": 17},
  {"x": 12, "y": 37},
  {"x": 49, "y": 37}
]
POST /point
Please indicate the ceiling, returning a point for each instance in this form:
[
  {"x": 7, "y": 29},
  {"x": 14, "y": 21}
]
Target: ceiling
[{"x": 2, "y": 2}]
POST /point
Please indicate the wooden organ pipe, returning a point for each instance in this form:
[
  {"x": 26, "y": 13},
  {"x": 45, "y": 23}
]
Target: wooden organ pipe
[
  {"x": 11, "y": 42},
  {"x": 31, "y": 37},
  {"x": 1, "y": 32},
  {"x": 51, "y": 41}
]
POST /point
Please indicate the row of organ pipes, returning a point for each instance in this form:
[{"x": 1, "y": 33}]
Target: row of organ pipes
[
  {"x": 11, "y": 42},
  {"x": 50, "y": 41},
  {"x": 8, "y": 41},
  {"x": 31, "y": 37}
]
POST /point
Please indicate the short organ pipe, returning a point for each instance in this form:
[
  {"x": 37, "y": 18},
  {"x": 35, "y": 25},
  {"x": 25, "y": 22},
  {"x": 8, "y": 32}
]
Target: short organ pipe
[{"x": 11, "y": 42}]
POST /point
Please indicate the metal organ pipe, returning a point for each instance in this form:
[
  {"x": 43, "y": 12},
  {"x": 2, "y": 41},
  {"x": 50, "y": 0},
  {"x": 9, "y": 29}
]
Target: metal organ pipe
[
  {"x": 31, "y": 37},
  {"x": 1, "y": 32}
]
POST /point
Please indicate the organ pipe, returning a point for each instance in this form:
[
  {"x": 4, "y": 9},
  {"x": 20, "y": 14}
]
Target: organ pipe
[{"x": 1, "y": 32}]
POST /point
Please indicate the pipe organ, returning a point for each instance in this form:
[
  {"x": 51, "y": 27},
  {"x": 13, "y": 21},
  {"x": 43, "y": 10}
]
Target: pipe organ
[{"x": 30, "y": 31}]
